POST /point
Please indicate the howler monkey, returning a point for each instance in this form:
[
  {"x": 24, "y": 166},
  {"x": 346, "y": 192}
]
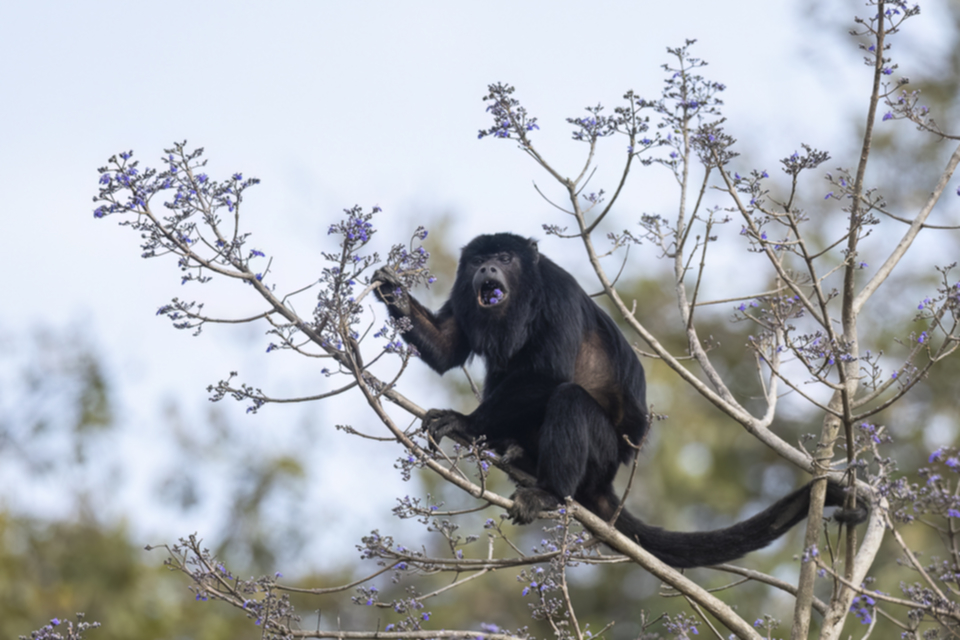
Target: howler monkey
[{"x": 563, "y": 387}]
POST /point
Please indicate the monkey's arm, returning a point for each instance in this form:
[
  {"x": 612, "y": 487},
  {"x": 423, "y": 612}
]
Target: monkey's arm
[
  {"x": 437, "y": 336},
  {"x": 511, "y": 413}
]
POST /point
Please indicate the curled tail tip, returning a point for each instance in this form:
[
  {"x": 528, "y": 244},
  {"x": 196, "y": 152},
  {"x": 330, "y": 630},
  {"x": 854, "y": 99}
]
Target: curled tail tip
[
  {"x": 837, "y": 497},
  {"x": 851, "y": 517}
]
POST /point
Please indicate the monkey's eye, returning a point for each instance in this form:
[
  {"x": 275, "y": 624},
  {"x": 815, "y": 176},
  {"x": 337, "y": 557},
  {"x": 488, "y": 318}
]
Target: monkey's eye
[
  {"x": 477, "y": 261},
  {"x": 505, "y": 258}
]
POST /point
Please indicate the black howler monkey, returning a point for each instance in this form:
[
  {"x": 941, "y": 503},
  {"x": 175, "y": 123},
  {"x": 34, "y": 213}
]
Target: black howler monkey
[{"x": 563, "y": 387}]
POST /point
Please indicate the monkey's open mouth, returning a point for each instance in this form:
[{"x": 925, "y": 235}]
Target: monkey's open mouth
[{"x": 491, "y": 293}]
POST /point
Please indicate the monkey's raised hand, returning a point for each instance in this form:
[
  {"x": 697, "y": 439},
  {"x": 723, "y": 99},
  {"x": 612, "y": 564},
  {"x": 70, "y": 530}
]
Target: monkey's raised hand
[{"x": 391, "y": 290}]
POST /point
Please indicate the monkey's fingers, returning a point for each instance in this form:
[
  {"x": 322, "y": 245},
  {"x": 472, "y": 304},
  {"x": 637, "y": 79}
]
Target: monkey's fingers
[{"x": 432, "y": 426}]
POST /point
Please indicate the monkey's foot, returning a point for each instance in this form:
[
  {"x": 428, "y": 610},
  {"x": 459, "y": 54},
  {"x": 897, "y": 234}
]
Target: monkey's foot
[{"x": 528, "y": 502}]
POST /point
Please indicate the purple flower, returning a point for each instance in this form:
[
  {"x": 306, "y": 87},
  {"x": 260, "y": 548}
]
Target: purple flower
[{"x": 888, "y": 116}]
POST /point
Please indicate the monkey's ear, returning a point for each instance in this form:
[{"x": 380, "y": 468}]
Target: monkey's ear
[{"x": 535, "y": 250}]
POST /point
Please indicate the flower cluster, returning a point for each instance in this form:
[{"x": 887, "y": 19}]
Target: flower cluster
[
  {"x": 936, "y": 495},
  {"x": 242, "y": 393},
  {"x": 410, "y": 261},
  {"x": 58, "y": 630},
  {"x": 681, "y": 626},
  {"x": 510, "y": 119},
  {"x": 688, "y": 94},
  {"x": 906, "y": 105},
  {"x": 767, "y": 623},
  {"x": 337, "y": 312},
  {"x": 192, "y": 197},
  {"x": 874, "y": 433},
  {"x": 191, "y": 228},
  {"x": 946, "y": 302},
  {"x": 862, "y": 607},
  {"x": 412, "y": 608},
  {"x": 890, "y": 20},
  {"x": 408, "y": 507},
  {"x": 406, "y": 464},
  {"x": 811, "y": 159},
  {"x": 383, "y": 549},
  {"x": 752, "y": 186},
  {"x": 870, "y": 200},
  {"x": 593, "y": 126},
  {"x": 712, "y": 144},
  {"x": 631, "y": 121},
  {"x": 690, "y": 102},
  {"x": 544, "y": 582},
  {"x": 818, "y": 352},
  {"x": 259, "y": 598}
]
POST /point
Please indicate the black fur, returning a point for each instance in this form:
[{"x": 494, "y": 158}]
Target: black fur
[{"x": 563, "y": 388}]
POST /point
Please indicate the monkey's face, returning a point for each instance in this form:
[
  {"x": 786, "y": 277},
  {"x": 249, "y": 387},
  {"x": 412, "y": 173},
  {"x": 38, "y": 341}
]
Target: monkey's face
[{"x": 493, "y": 278}]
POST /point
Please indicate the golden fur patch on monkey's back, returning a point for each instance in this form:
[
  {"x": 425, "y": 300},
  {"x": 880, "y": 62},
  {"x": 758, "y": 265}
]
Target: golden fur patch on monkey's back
[{"x": 595, "y": 373}]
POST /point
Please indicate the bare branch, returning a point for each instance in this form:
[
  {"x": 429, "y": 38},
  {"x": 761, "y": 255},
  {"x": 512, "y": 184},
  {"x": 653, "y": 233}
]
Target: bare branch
[{"x": 907, "y": 240}]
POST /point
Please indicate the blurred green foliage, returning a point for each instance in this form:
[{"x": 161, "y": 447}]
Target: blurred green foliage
[{"x": 54, "y": 569}]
